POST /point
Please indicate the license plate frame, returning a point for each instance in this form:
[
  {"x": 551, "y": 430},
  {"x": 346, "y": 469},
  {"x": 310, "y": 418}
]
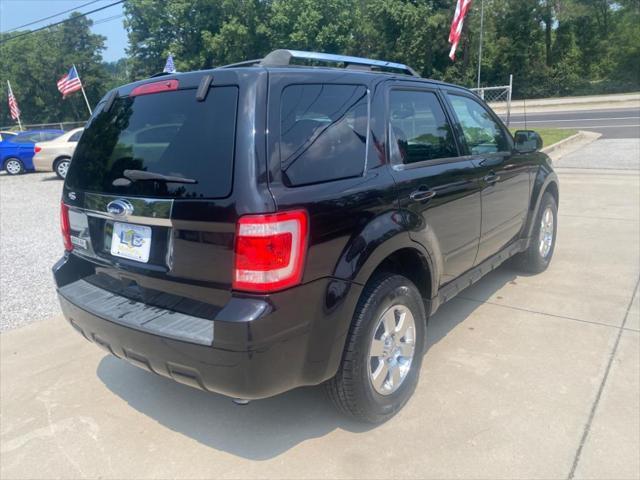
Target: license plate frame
[{"x": 131, "y": 241}]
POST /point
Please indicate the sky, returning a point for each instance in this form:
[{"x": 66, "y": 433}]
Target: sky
[{"x": 14, "y": 13}]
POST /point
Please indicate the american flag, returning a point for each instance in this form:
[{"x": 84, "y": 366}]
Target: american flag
[
  {"x": 169, "y": 67},
  {"x": 13, "y": 104},
  {"x": 462, "y": 6},
  {"x": 70, "y": 82}
]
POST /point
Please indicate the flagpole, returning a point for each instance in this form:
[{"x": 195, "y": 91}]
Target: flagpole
[
  {"x": 19, "y": 122},
  {"x": 481, "y": 32},
  {"x": 83, "y": 93}
]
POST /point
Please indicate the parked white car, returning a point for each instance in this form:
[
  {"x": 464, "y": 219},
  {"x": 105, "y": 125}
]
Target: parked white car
[{"x": 56, "y": 154}]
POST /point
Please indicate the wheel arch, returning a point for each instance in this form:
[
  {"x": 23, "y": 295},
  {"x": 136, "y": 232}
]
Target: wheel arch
[
  {"x": 546, "y": 181},
  {"x": 401, "y": 255}
]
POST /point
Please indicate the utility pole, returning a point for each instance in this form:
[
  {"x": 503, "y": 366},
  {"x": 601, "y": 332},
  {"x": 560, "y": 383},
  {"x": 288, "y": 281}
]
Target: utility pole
[{"x": 481, "y": 35}]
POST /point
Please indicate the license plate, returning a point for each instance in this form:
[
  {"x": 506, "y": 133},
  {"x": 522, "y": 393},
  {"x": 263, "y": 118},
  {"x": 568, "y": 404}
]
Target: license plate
[{"x": 131, "y": 241}]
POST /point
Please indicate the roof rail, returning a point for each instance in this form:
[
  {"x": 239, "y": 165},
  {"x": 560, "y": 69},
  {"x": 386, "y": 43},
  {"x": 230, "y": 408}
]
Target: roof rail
[
  {"x": 246, "y": 63},
  {"x": 280, "y": 58},
  {"x": 283, "y": 57}
]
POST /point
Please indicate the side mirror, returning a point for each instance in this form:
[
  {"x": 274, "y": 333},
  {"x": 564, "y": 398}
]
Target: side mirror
[{"x": 527, "y": 141}]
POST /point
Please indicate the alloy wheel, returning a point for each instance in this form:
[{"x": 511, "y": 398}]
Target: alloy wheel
[
  {"x": 13, "y": 167},
  {"x": 546, "y": 232},
  {"x": 392, "y": 349}
]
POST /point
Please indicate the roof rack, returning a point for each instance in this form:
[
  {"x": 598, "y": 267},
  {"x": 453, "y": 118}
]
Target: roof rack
[{"x": 280, "y": 58}]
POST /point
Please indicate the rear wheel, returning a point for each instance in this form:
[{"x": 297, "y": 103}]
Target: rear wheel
[
  {"x": 383, "y": 354},
  {"x": 537, "y": 257},
  {"x": 14, "y": 166},
  {"x": 61, "y": 167}
]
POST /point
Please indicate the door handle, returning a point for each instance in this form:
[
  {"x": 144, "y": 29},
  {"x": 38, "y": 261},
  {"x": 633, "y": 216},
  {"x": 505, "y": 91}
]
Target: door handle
[
  {"x": 422, "y": 195},
  {"x": 491, "y": 178}
]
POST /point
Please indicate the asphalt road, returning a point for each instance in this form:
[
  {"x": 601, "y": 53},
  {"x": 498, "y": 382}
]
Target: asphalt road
[{"x": 615, "y": 123}]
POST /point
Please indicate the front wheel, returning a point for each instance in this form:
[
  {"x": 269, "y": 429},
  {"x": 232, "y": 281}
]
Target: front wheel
[
  {"x": 537, "y": 257},
  {"x": 62, "y": 167},
  {"x": 383, "y": 354},
  {"x": 14, "y": 166}
]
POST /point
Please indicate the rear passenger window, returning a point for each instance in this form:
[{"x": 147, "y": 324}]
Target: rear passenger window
[
  {"x": 419, "y": 129},
  {"x": 323, "y": 132}
]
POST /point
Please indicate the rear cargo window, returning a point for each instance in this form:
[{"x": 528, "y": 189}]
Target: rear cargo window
[
  {"x": 323, "y": 132},
  {"x": 167, "y": 133}
]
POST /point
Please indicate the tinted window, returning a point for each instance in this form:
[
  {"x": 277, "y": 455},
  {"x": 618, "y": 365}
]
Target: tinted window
[
  {"x": 168, "y": 133},
  {"x": 25, "y": 138},
  {"x": 75, "y": 137},
  {"x": 419, "y": 129},
  {"x": 323, "y": 132},
  {"x": 482, "y": 133}
]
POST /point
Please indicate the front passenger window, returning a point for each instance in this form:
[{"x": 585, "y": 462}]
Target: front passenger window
[
  {"x": 482, "y": 133},
  {"x": 419, "y": 129}
]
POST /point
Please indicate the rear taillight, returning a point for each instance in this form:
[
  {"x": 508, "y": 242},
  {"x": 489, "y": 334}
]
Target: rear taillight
[
  {"x": 65, "y": 227},
  {"x": 270, "y": 251},
  {"x": 154, "y": 87},
  {"x": 37, "y": 149}
]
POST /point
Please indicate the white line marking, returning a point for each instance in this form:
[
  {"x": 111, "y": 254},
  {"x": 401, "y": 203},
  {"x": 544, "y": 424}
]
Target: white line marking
[
  {"x": 578, "y": 120},
  {"x": 567, "y": 112}
]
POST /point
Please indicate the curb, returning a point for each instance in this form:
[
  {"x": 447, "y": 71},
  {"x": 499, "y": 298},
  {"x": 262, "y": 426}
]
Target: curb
[{"x": 571, "y": 143}]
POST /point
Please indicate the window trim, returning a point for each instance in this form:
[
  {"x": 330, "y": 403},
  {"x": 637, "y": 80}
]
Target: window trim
[
  {"x": 278, "y": 137},
  {"x": 395, "y": 162},
  {"x": 492, "y": 114}
]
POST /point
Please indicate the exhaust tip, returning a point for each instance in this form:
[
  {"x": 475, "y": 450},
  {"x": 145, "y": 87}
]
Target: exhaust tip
[{"x": 240, "y": 401}]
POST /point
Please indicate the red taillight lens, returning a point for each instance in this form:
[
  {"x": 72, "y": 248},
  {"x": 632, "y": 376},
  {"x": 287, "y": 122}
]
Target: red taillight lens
[
  {"x": 65, "y": 227},
  {"x": 154, "y": 87},
  {"x": 270, "y": 251},
  {"x": 37, "y": 149}
]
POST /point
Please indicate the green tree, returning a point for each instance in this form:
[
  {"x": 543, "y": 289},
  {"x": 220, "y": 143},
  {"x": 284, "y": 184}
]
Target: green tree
[{"x": 35, "y": 62}]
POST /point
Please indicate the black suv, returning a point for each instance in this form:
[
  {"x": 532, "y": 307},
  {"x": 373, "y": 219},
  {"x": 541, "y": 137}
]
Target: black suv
[{"x": 265, "y": 225}]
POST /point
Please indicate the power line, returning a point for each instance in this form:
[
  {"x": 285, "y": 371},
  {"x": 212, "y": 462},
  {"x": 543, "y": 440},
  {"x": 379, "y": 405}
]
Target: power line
[
  {"x": 62, "y": 21},
  {"x": 51, "y": 16},
  {"x": 107, "y": 19}
]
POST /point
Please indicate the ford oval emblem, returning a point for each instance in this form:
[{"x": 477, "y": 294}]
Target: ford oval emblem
[{"x": 120, "y": 207}]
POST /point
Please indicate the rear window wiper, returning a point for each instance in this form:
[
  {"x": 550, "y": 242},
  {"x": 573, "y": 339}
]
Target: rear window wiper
[{"x": 138, "y": 175}]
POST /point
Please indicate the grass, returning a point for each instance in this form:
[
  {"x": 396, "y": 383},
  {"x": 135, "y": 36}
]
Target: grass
[{"x": 551, "y": 135}]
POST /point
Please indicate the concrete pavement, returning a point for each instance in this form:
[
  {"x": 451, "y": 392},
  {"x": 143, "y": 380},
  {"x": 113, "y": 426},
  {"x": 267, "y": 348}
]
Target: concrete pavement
[{"x": 524, "y": 377}]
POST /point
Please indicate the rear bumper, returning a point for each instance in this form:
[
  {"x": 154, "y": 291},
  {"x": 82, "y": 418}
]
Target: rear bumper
[
  {"x": 261, "y": 345},
  {"x": 42, "y": 163}
]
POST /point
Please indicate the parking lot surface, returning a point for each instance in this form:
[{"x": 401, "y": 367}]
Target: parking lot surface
[
  {"x": 31, "y": 243},
  {"x": 524, "y": 377}
]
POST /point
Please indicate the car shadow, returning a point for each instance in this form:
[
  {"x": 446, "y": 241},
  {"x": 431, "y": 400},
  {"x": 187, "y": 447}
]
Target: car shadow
[
  {"x": 50, "y": 178},
  {"x": 266, "y": 428}
]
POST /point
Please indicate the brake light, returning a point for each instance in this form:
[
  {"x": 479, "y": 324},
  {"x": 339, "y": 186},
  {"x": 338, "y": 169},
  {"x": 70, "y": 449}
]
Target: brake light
[
  {"x": 37, "y": 149},
  {"x": 65, "y": 227},
  {"x": 155, "y": 87},
  {"x": 270, "y": 251}
]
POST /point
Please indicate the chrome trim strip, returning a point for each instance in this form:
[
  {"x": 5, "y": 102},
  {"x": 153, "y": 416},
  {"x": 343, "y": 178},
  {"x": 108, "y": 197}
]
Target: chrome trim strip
[{"x": 151, "y": 208}]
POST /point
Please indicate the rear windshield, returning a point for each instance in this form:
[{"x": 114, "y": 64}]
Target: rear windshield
[{"x": 167, "y": 133}]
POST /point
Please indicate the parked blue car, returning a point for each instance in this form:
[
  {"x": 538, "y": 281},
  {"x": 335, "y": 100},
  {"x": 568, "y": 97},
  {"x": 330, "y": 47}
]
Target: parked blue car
[{"x": 16, "y": 152}]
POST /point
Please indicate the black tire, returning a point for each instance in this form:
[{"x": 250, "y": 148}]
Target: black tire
[
  {"x": 352, "y": 390},
  {"x": 58, "y": 167},
  {"x": 532, "y": 260},
  {"x": 14, "y": 166}
]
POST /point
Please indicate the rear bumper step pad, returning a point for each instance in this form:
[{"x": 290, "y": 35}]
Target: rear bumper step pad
[{"x": 140, "y": 316}]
